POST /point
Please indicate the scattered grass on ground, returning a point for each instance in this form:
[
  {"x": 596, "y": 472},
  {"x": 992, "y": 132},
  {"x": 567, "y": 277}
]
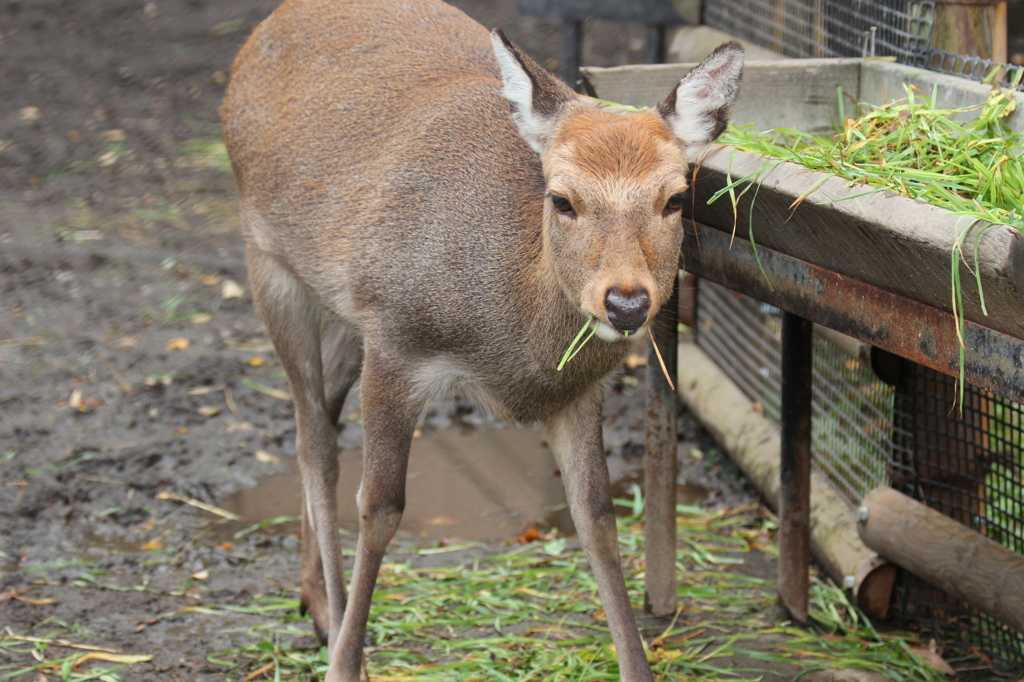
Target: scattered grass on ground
[{"x": 533, "y": 613}]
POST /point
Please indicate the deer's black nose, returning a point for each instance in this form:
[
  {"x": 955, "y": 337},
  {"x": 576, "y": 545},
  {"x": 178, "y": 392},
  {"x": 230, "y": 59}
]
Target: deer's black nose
[{"x": 627, "y": 312}]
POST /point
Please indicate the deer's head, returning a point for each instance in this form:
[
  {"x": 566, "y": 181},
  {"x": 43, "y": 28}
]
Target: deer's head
[{"x": 616, "y": 183}]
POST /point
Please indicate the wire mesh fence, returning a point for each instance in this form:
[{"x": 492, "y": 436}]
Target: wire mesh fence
[
  {"x": 828, "y": 28},
  {"x": 851, "y": 426},
  {"x": 969, "y": 465},
  {"x": 850, "y": 28}
]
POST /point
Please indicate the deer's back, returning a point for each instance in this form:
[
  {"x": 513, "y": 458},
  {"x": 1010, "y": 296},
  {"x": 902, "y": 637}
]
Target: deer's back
[
  {"x": 375, "y": 132},
  {"x": 375, "y": 156}
]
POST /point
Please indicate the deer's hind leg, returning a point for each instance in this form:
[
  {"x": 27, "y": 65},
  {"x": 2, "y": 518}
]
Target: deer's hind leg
[
  {"x": 293, "y": 321},
  {"x": 341, "y": 359}
]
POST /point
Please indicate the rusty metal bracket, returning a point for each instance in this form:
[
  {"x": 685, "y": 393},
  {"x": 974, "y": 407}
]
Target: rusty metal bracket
[{"x": 894, "y": 323}]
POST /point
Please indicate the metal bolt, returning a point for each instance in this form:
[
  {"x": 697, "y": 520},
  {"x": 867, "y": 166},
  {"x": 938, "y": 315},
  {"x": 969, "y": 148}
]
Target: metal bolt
[{"x": 862, "y": 514}]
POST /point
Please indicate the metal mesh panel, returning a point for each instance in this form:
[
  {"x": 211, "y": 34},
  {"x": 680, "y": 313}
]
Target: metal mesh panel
[
  {"x": 849, "y": 28},
  {"x": 851, "y": 422},
  {"x": 744, "y": 337},
  {"x": 973, "y": 68},
  {"x": 969, "y": 466},
  {"x": 828, "y": 28},
  {"x": 851, "y": 431}
]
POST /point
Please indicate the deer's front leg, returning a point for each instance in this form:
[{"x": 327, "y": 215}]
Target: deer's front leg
[
  {"x": 390, "y": 408},
  {"x": 575, "y": 437}
]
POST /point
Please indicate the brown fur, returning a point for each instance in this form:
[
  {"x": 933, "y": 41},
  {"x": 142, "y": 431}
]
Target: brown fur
[{"x": 397, "y": 229}]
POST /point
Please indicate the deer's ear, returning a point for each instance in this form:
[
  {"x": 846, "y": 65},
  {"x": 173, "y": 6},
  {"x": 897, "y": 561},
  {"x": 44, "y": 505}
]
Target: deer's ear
[
  {"x": 697, "y": 110},
  {"x": 538, "y": 99}
]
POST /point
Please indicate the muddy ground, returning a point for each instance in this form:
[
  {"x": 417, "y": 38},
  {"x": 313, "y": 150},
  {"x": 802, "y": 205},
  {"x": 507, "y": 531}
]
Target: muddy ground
[{"x": 136, "y": 383}]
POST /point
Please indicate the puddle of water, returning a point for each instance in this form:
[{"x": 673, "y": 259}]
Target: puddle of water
[{"x": 481, "y": 484}]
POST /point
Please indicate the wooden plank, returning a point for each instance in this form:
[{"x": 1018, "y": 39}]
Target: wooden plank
[
  {"x": 790, "y": 93},
  {"x": 897, "y": 244},
  {"x": 965, "y": 28},
  {"x": 882, "y": 82},
  {"x": 661, "y": 467}
]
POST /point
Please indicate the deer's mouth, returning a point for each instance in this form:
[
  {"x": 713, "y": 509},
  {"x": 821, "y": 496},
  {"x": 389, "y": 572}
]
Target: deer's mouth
[{"x": 607, "y": 332}]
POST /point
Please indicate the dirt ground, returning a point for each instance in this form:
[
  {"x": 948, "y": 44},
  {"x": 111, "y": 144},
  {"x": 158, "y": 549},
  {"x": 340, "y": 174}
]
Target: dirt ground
[{"x": 136, "y": 383}]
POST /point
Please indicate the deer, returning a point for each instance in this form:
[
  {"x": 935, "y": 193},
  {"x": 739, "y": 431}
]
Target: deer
[{"x": 427, "y": 210}]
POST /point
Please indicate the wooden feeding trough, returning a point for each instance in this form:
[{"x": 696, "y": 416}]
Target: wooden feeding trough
[{"x": 876, "y": 267}]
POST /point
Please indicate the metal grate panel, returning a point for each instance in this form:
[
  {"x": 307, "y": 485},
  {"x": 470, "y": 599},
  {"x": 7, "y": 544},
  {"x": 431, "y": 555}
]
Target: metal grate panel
[
  {"x": 865, "y": 433},
  {"x": 851, "y": 430},
  {"x": 828, "y": 28}
]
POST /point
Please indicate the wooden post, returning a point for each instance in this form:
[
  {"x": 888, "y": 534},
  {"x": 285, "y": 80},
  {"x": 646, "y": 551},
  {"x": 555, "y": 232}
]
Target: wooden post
[
  {"x": 971, "y": 27},
  {"x": 949, "y": 555},
  {"x": 795, "y": 490},
  {"x": 660, "y": 465}
]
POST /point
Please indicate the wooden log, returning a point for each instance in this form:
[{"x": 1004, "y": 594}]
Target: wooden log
[
  {"x": 864, "y": 236},
  {"x": 947, "y": 554},
  {"x": 753, "y": 443}
]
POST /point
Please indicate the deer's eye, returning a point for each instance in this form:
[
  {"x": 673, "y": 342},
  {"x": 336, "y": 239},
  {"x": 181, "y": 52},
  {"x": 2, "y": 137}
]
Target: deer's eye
[
  {"x": 675, "y": 203},
  {"x": 562, "y": 205}
]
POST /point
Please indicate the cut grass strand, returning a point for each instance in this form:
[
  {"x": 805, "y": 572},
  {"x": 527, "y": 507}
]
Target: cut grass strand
[
  {"x": 576, "y": 346},
  {"x": 532, "y": 614}
]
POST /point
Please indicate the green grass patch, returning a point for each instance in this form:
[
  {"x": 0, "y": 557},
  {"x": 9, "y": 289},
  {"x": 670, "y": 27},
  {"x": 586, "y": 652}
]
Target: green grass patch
[{"x": 533, "y": 613}]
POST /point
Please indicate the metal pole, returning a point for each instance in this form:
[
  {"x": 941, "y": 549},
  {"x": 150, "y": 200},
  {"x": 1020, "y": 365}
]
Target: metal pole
[
  {"x": 656, "y": 44},
  {"x": 572, "y": 50},
  {"x": 795, "y": 497},
  {"x": 660, "y": 465}
]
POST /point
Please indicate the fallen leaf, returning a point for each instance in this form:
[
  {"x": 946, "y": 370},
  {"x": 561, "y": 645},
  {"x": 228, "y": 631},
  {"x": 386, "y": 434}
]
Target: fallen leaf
[
  {"x": 256, "y": 361},
  {"x": 267, "y": 457},
  {"x": 115, "y": 135},
  {"x": 209, "y": 410},
  {"x": 178, "y": 343},
  {"x": 442, "y": 521},
  {"x": 36, "y": 602},
  {"x": 29, "y": 114},
  {"x": 153, "y": 544},
  {"x": 75, "y": 402},
  {"x": 634, "y": 360},
  {"x": 758, "y": 407},
  {"x": 231, "y": 289},
  {"x": 933, "y": 659},
  {"x": 210, "y": 280},
  {"x": 417, "y": 432},
  {"x": 181, "y": 431},
  {"x": 201, "y": 575},
  {"x": 202, "y": 318},
  {"x": 529, "y": 535},
  {"x": 658, "y": 655},
  {"x": 113, "y": 658},
  {"x": 220, "y": 78},
  {"x": 227, "y": 27},
  {"x": 128, "y": 342}
]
